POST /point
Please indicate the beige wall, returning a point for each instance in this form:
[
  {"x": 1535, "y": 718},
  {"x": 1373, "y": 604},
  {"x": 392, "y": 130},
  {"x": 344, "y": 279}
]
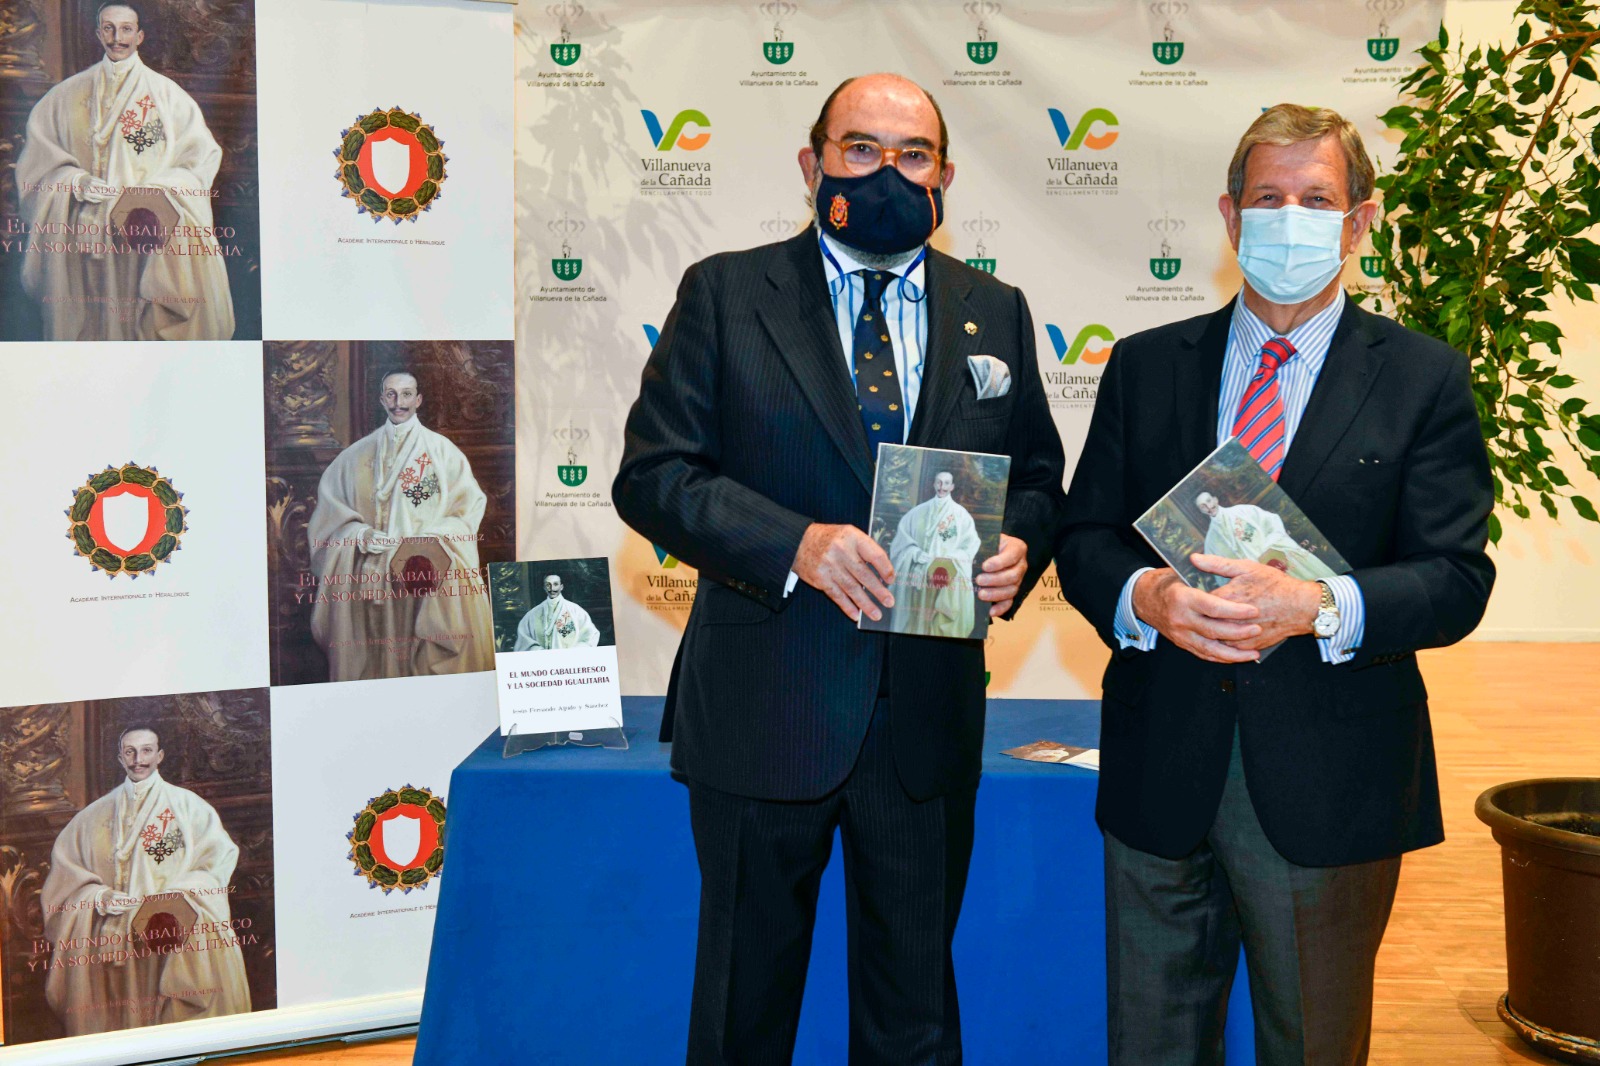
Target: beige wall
[{"x": 1549, "y": 583}]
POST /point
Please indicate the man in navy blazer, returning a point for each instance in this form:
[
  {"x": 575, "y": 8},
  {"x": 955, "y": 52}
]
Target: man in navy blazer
[
  {"x": 750, "y": 455},
  {"x": 1268, "y": 801}
]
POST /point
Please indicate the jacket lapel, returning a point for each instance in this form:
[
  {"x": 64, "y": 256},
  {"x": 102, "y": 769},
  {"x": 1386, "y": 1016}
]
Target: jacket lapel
[
  {"x": 1197, "y": 386},
  {"x": 944, "y": 373},
  {"x": 1342, "y": 387},
  {"x": 799, "y": 318}
]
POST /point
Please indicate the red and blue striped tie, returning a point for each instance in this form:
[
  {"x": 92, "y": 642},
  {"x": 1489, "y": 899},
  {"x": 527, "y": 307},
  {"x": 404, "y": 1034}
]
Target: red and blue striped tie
[{"x": 1260, "y": 426}]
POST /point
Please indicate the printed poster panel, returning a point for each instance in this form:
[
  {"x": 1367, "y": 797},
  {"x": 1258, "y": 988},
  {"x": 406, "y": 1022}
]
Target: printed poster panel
[
  {"x": 390, "y": 482},
  {"x": 128, "y": 208},
  {"x": 139, "y": 562},
  {"x": 137, "y": 864},
  {"x": 363, "y": 850},
  {"x": 387, "y": 155}
]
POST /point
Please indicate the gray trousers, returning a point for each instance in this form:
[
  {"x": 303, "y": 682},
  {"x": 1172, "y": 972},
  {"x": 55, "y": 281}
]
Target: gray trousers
[{"x": 1174, "y": 928}]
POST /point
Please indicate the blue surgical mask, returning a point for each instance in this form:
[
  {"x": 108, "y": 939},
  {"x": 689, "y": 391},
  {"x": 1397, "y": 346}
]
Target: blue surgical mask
[
  {"x": 1289, "y": 254},
  {"x": 883, "y": 212}
]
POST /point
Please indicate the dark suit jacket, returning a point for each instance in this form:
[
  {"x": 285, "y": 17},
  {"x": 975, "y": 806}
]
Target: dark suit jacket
[
  {"x": 745, "y": 432},
  {"x": 1390, "y": 465}
]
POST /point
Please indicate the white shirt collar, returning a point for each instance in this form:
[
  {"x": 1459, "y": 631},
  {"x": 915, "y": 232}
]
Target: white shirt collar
[
  {"x": 118, "y": 67},
  {"x": 849, "y": 264},
  {"x": 1317, "y": 325}
]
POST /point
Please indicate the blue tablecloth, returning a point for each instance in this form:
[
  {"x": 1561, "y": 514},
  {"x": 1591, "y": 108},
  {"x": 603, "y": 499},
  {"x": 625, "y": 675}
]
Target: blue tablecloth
[{"x": 566, "y": 923}]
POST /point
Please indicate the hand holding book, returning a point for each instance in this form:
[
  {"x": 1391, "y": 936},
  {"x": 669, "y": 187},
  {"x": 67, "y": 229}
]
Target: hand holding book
[{"x": 1250, "y": 557}]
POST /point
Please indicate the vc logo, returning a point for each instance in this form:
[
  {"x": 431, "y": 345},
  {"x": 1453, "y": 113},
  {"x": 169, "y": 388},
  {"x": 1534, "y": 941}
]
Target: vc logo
[
  {"x": 666, "y": 560},
  {"x": 675, "y": 135},
  {"x": 1079, "y": 348},
  {"x": 1072, "y": 137},
  {"x": 651, "y": 334}
]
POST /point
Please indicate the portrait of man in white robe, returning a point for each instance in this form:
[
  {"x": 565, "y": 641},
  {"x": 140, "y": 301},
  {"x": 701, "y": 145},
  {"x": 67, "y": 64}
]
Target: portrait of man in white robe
[
  {"x": 932, "y": 554},
  {"x": 1245, "y": 531},
  {"x": 401, "y": 493},
  {"x": 556, "y": 623},
  {"x": 143, "y": 845},
  {"x": 107, "y": 140}
]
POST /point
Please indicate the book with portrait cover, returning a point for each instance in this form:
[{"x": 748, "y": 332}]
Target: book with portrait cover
[
  {"x": 1229, "y": 506},
  {"x": 937, "y": 513}
]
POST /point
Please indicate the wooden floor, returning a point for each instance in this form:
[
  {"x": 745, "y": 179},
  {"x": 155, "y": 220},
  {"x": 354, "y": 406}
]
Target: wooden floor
[{"x": 1500, "y": 712}]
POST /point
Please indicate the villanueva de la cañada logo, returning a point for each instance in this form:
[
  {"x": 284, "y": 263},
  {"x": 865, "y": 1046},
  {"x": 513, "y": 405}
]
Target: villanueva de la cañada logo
[
  {"x": 566, "y": 266},
  {"x": 689, "y": 131},
  {"x": 571, "y": 473},
  {"x": 778, "y": 51},
  {"x": 668, "y": 593},
  {"x": 982, "y": 51},
  {"x": 566, "y": 51},
  {"x": 1164, "y": 265},
  {"x": 1079, "y": 349},
  {"x": 1071, "y": 384},
  {"x": 1077, "y": 172},
  {"x": 392, "y": 164},
  {"x": 1383, "y": 47},
  {"x": 981, "y": 229},
  {"x": 677, "y": 134},
  {"x": 398, "y": 839},
  {"x": 1168, "y": 50},
  {"x": 127, "y": 520}
]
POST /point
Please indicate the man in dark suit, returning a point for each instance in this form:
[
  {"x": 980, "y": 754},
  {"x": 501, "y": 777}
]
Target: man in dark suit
[
  {"x": 750, "y": 455},
  {"x": 1269, "y": 800}
]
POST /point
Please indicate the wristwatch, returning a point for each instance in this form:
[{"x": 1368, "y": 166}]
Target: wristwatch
[{"x": 1326, "y": 624}]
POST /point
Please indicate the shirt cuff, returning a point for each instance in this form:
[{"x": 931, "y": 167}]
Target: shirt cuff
[
  {"x": 1130, "y": 631},
  {"x": 788, "y": 586},
  {"x": 1341, "y": 647}
]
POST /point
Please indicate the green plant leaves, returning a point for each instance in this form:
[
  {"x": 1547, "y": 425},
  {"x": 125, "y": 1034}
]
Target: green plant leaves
[{"x": 1490, "y": 213}]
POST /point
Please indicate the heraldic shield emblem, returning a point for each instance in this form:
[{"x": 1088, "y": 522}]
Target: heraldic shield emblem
[
  {"x": 982, "y": 52},
  {"x": 398, "y": 839},
  {"x": 778, "y": 52},
  {"x": 566, "y": 269},
  {"x": 565, "y": 53},
  {"x": 1383, "y": 49},
  {"x": 1372, "y": 266},
  {"x": 392, "y": 164},
  {"x": 1165, "y": 269},
  {"x": 127, "y": 520},
  {"x": 985, "y": 265},
  {"x": 1167, "y": 52},
  {"x": 572, "y": 475}
]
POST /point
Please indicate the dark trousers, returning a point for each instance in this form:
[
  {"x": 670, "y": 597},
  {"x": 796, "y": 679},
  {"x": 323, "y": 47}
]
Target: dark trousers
[
  {"x": 1173, "y": 930},
  {"x": 761, "y": 864}
]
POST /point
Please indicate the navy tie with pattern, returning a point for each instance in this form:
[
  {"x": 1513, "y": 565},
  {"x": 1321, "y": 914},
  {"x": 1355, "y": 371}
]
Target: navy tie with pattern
[{"x": 877, "y": 385}]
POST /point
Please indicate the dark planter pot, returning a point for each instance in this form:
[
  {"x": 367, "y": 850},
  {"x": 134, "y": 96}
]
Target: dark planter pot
[{"x": 1549, "y": 835}]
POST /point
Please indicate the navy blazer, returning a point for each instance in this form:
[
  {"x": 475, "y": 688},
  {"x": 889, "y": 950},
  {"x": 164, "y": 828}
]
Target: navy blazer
[
  {"x": 1389, "y": 463},
  {"x": 745, "y": 432}
]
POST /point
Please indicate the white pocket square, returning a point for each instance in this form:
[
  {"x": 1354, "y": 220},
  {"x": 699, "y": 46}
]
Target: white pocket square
[{"x": 990, "y": 376}]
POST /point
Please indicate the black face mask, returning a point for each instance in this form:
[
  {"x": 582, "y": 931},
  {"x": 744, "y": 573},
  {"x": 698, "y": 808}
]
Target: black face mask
[{"x": 884, "y": 212}]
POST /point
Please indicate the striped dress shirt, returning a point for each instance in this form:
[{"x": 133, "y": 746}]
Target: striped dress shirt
[{"x": 1296, "y": 379}]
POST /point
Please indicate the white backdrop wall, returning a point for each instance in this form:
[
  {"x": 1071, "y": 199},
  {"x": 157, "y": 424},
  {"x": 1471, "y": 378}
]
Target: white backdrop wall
[{"x": 1165, "y": 89}]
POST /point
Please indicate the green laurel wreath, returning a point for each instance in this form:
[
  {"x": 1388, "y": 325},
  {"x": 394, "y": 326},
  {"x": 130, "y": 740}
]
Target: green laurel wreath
[
  {"x": 381, "y": 875},
  {"x": 105, "y": 556},
  {"x": 369, "y": 200}
]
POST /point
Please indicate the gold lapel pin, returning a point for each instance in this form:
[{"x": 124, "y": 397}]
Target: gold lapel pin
[{"x": 972, "y": 329}]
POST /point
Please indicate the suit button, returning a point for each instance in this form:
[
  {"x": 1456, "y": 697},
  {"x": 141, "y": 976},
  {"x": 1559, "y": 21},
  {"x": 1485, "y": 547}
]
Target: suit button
[{"x": 1227, "y": 688}]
